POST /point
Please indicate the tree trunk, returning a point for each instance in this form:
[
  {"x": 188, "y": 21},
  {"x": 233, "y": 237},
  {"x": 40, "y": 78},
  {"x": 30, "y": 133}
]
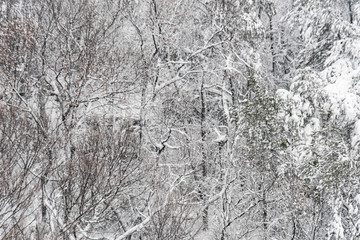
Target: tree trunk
[
  {"x": 203, "y": 161},
  {"x": 351, "y": 18},
  {"x": 272, "y": 44}
]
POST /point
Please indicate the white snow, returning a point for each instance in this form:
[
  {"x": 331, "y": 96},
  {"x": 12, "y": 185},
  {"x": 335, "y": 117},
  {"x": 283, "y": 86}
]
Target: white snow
[
  {"x": 357, "y": 198},
  {"x": 356, "y": 134},
  {"x": 343, "y": 73},
  {"x": 283, "y": 94},
  {"x": 3, "y": 7},
  {"x": 220, "y": 137}
]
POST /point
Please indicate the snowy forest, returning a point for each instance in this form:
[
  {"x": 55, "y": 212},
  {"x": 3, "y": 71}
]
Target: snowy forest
[{"x": 180, "y": 120}]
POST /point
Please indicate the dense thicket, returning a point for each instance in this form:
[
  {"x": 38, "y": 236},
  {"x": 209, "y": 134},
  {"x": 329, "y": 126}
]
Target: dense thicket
[{"x": 160, "y": 119}]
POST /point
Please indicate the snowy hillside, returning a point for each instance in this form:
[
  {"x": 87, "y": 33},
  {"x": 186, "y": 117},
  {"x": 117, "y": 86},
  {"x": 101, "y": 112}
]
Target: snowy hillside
[{"x": 161, "y": 119}]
